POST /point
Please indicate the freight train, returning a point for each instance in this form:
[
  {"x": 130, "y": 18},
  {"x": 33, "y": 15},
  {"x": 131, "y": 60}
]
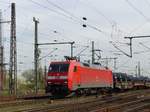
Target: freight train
[{"x": 65, "y": 77}]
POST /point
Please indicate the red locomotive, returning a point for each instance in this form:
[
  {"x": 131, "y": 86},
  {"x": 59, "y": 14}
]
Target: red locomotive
[{"x": 69, "y": 76}]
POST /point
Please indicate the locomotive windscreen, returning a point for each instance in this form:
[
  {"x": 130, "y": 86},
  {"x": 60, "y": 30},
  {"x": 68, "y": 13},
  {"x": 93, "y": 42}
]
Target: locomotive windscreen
[{"x": 58, "y": 67}]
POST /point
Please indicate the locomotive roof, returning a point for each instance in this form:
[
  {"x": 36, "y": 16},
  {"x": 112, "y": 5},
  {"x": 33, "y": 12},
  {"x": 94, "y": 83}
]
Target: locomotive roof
[
  {"x": 67, "y": 61},
  {"x": 81, "y": 63}
]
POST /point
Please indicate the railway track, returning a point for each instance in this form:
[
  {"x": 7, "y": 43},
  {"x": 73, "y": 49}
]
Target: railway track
[
  {"x": 130, "y": 106},
  {"x": 101, "y": 103},
  {"x": 127, "y": 104},
  {"x": 7, "y": 98},
  {"x": 86, "y": 104}
]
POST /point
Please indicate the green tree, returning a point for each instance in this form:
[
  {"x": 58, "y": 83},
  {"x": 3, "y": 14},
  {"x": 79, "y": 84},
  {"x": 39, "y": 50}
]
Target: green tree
[{"x": 29, "y": 77}]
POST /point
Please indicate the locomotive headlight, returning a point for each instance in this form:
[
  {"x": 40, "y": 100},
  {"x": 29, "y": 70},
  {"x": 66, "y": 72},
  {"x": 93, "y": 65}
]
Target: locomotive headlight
[{"x": 65, "y": 82}]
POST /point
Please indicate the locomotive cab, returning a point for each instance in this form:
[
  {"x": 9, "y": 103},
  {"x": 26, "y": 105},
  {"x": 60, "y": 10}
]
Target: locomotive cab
[{"x": 57, "y": 78}]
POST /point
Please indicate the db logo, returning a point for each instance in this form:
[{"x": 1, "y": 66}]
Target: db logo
[{"x": 57, "y": 77}]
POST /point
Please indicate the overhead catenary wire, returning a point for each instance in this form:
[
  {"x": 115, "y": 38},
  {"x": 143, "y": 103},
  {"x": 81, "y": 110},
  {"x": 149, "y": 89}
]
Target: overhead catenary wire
[
  {"x": 138, "y": 11},
  {"x": 143, "y": 24},
  {"x": 65, "y": 11},
  {"x": 120, "y": 50},
  {"x": 6, "y": 9},
  {"x": 142, "y": 14},
  {"x": 74, "y": 18},
  {"x": 43, "y": 36},
  {"x": 19, "y": 41},
  {"x": 25, "y": 43},
  {"x": 52, "y": 10},
  {"x": 47, "y": 54},
  {"x": 140, "y": 52},
  {"x": 137, "y": 27},
  {"x": 111, "y": 21},
  {"x": 4, "y": 2},
  {"x": 147, "y": 2},
  {"x": 144, "y": 45}
]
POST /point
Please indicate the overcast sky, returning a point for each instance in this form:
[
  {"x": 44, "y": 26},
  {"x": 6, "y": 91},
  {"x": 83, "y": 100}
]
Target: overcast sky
[{"x": 61, "y": 20}]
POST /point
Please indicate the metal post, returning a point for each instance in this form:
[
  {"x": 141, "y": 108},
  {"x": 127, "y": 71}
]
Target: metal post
[
  {"x": 0, "y": 28},
  {"x": 13, "y": 53},
  {"x": 136, "y": 74},
  {"x": 139, "y": 69},
  {"x": 131, "y": 47},
  {"x": 106, "y": 62},
  {"x": 115, "y": 62},
  {"x": 36, "y": 54},
  {"x": 1, "y": 52},
  {"x": 2, "y": 65},
  {"x": 72, "y": 49},
  {"x": 111, "y": 58},
  {"x": 93, "y": 58},
  {"x": 1, "y": 69},
  {"x": 45, "y": 73}
]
